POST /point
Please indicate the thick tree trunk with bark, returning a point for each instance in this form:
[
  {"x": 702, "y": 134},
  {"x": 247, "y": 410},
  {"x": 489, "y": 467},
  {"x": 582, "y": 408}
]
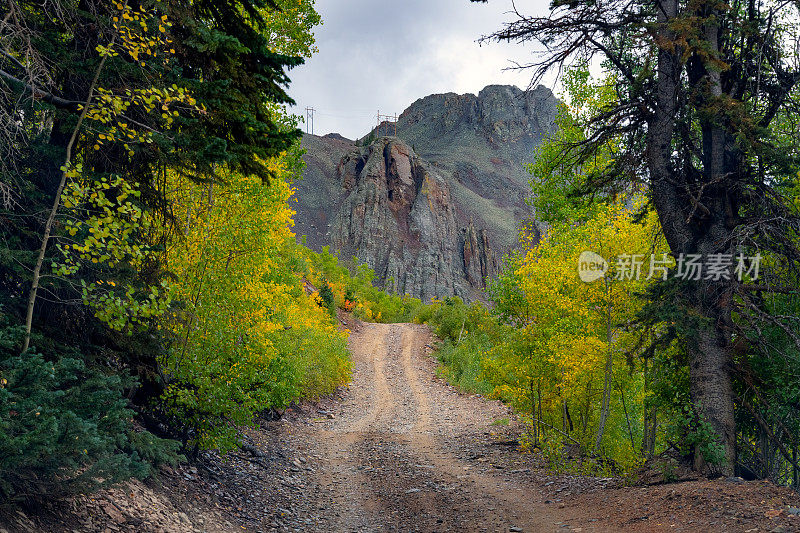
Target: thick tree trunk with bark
[
  {"x": 697, "y": 226},
  {"x": 712, "y": 395},
  {"x": 710, "y": 360}
]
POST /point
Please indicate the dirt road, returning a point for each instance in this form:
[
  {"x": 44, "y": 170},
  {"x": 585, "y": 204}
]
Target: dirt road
[
  {"x": 391, "y": 457},
  {"x": 404, "y": 451}
]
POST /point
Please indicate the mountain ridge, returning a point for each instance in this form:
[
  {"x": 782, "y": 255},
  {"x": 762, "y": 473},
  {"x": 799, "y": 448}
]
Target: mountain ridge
[{"x": 473, "y": 148}]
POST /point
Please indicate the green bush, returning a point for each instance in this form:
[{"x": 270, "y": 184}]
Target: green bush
[
  {"x": 355, "y": 285},
  {"x": 453, "y": 319},
  {"x": 462, "y": 363},
  {"x": 467, "y": 333},
  {"x": 326, "y": 294},
  {"x": 206, "y": 401},
  {"x": 319, "y": 359},
  {"x": 65, "y": 427},
  {"x": 424, "y": 314}
]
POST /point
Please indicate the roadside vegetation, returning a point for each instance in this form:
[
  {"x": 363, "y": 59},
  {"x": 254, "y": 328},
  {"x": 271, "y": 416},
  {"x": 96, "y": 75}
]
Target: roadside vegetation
[
  {"x": 352, "y": 289},
  {"x": 152, "y": 296},
  {"x": 599, "y": 371}
]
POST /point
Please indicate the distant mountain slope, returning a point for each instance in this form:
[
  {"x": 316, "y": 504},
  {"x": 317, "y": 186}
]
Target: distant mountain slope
[
  {"x": 320, "y": 193},
  {"x": 433, "y": 209},
  {"x": 483, "y": 142}
]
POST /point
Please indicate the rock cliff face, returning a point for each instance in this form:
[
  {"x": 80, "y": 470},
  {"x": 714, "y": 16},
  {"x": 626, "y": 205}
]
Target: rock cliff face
[
  {"x": 432, "y": 209},
  {"x": 482, "y": 143},
  {"x": 477, "y": 256},
  {"x": 399, "y": 218}
]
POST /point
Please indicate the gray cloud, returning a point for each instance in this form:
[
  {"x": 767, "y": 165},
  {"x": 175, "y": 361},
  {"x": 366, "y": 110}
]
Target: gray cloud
[{"x": 384, "y": 54}]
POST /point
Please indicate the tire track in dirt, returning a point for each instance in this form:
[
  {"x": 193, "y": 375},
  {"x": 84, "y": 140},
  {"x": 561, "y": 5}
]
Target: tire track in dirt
[
  {"x": 386, "y": 461},
  {"x": 512, "y": 504},
  {"x": 354, "y": 506}
]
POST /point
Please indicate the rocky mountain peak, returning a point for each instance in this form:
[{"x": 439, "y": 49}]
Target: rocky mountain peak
[
  {"x": 431, "y": 209},
  {"x": 500, "y": 113}
]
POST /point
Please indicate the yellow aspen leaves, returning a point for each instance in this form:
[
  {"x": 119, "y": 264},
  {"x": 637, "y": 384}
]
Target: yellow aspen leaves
[{"x": 247, "y": 336}]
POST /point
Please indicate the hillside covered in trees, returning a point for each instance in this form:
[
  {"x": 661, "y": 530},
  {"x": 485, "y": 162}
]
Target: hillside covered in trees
[{"x": 148, "y": 268}]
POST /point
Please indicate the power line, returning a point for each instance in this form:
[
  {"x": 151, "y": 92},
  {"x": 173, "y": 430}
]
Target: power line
[
  {"x": 346, "y": 115},
  {"x": 385, "y": 124}
]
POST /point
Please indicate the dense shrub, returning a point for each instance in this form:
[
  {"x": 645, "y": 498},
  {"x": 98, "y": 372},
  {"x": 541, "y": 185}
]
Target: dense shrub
[
  {"x": 462, "y": 364},
  {"x": 65, "y": 427},
  {"x": 316, "y": 357},
  {"x": 353, "y": 289},
  {"x": 247, "y": 337},
  {"x": 326, "y": 295}
]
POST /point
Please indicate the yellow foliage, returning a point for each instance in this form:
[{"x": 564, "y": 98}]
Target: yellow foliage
[
  {"x": 568, "y": 328},
  {"x": 248, "y": 336}
]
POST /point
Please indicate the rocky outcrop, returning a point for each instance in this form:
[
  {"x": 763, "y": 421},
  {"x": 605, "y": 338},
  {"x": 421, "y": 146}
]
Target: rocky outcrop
[
  {"x": 433, "y": 209},
  {"x": 482, "y": 144},
  {"x": 477, "y": 257},
  {"x": 319, "y": 193},
  {"x": 499, "y": 114},
  {"x": 399, "y": 219}
]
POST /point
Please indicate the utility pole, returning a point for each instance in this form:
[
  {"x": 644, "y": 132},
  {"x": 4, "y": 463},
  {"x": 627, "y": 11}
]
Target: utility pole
[{"x": 310, "y": 119}]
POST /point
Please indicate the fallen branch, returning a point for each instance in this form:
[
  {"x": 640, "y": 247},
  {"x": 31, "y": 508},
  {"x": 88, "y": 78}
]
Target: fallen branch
[
  {"x": 556, "y": 430},
  {"x": 252, "y": 450},
  {"x": 513, "y": 442}
]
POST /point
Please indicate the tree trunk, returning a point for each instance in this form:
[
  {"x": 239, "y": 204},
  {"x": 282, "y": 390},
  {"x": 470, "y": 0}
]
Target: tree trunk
[
  {"x": 533, "y": 414},
  {"x": 710, "y": 380},
  {"x": 601, "y": 426},
  {"x": 709, "y": 374},
  {"x": 539, "y": 407},
  {"x": 712, "y": 396},
  {"x": 649, "y": 421},
  {"x": 566, "y": 419},
  {"x": 48, "y": 227},
  {"x": 627, "y": 418}
]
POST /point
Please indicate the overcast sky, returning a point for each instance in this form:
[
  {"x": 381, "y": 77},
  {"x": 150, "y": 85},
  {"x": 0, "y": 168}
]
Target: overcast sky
[{"x": 385, "y": 54}]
